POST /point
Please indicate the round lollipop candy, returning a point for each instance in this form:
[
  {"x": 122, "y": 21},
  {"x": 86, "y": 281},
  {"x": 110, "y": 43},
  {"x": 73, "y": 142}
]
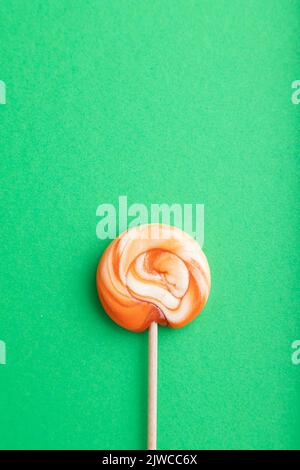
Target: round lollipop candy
[{"x": 153, "y": 274}]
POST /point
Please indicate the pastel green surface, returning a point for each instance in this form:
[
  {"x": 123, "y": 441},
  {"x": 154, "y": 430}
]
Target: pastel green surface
[{"x": 162, "y": 101}]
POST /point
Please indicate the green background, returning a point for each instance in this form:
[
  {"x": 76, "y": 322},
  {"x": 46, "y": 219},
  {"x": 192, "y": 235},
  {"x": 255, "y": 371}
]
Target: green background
[{"x": 163, "y": 101}]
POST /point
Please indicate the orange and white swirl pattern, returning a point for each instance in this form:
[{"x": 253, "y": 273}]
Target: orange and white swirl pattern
[{"x": 153, "y": 273}]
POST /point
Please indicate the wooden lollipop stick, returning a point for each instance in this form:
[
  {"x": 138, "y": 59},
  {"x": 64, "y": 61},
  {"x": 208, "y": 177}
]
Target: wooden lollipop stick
[{"x": 152, "y": 386}]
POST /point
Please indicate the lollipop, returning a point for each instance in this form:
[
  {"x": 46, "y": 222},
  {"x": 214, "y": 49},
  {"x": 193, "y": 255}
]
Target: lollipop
[{"x": 153, "y": 274}]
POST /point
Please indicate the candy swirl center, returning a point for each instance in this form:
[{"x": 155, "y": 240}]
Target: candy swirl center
[{"x": 158, "y": 276}]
